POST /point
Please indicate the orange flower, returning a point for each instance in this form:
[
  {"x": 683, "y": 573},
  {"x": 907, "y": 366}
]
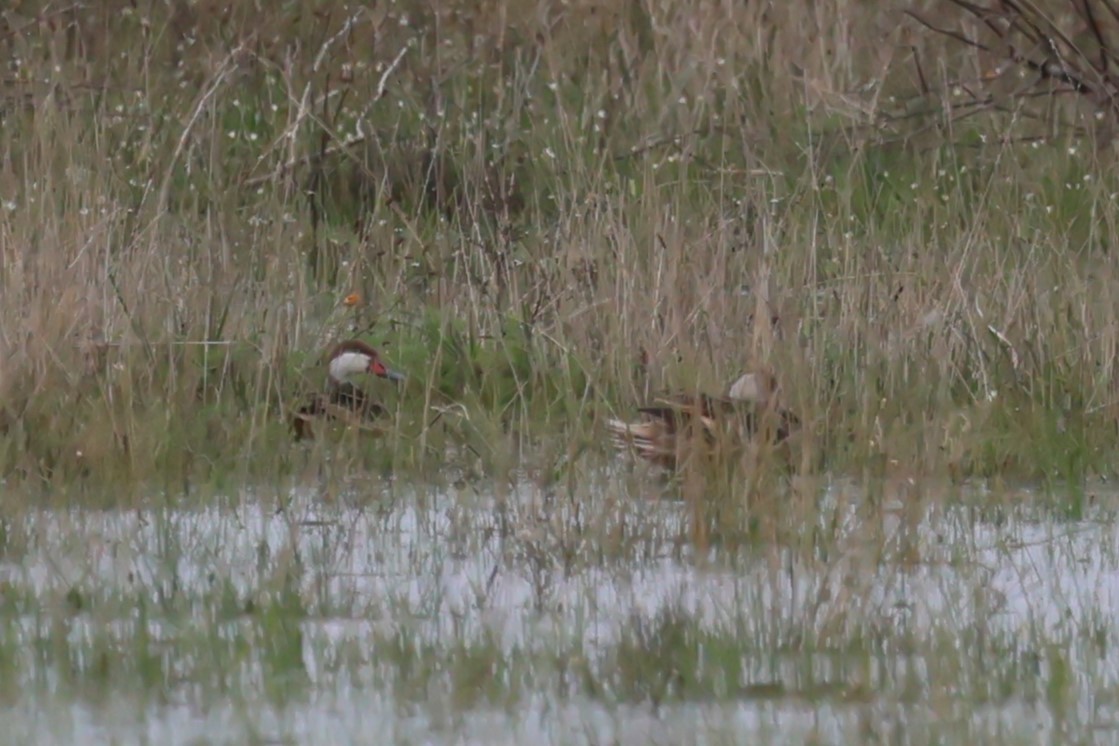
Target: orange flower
[{"x": 351, "y": 300}]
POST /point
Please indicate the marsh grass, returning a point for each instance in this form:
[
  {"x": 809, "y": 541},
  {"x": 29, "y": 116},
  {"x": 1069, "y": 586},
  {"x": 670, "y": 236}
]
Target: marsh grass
[
  {"x": 434, "y": 611},
  {"x": 549, "y": 215}
]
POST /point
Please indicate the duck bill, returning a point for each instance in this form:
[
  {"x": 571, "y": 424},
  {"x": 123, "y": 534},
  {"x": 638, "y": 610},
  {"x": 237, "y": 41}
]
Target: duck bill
[{"x": 380, "y": 369}]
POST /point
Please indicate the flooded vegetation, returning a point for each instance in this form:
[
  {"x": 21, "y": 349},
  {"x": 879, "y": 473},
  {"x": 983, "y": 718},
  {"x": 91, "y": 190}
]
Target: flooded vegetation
[
  {"x": 317, "y": 326},
  {"x": 410, "y": 615}
]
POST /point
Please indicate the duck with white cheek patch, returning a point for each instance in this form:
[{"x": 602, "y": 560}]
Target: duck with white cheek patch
[
  {"x": 343, "y": 400},
  {"x": 675, "y": 425}
]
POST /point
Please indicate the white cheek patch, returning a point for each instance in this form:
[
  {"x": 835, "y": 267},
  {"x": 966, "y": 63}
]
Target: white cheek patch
[
  {"x": 348, "y": 364},
  {"x": 749, "y": 388}
]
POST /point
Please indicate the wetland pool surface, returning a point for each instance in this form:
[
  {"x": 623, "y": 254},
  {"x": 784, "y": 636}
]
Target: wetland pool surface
[{"x": 402, "y": 615}]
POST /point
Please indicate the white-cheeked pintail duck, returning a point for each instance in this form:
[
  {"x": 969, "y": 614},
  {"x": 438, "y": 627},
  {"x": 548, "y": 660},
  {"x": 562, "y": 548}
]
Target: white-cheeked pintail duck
[
  {"x": 674, "y": 425},
  {"x": 344, "y": 401}
]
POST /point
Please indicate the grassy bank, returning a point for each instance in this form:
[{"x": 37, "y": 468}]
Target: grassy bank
[{"x": 550, "y": 212}]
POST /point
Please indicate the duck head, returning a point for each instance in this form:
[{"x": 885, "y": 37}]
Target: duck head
[{"x": 354, "y": 357}]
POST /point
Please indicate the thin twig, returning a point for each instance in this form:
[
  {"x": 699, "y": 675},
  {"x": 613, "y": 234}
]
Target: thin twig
[
  {"x": 382, "y": 85},
  {"x": 227, "y": 67},
  {"x": 337, "y": 146},
  {"x": 139, "y": 330}
]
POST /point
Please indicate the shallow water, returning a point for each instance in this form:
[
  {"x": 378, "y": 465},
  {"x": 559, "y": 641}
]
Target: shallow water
[{"x": 392, "y": 615}]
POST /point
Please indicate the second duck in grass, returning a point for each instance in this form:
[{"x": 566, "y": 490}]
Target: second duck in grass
[
  {"x": 343, "y": 401},
  {"x": 673, "y": 426}
]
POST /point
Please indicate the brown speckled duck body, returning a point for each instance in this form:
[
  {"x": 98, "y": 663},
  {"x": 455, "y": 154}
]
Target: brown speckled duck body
[
  {"x": 674, "y": 426},
  {"x": 343, "y": 400}
]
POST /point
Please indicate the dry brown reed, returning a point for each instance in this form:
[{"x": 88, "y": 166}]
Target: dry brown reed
[{"x": 552, "y": 210}]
